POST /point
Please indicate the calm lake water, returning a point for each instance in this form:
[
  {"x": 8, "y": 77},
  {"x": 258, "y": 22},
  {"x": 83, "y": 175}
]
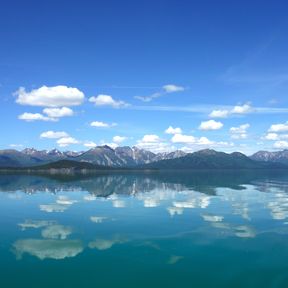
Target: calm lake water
[{"x": 205, "y": 229}]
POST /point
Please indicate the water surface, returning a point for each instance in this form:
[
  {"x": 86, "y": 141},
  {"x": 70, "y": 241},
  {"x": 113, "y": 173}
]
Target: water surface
[{"x": 189, "y": 229}]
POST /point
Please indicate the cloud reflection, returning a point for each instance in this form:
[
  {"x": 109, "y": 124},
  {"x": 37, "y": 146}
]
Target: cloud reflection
[
  {"x": 35, "y": 224},
  {"x": 48, "y": 249},
  {"x": 56, "y": 232}
]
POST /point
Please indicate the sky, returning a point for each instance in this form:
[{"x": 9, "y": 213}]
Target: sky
[{"x": 160, "y": 75}]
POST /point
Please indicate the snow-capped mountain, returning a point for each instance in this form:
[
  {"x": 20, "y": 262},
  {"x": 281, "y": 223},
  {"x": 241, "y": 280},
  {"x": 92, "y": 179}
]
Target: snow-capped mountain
[
  {"x": 122, "y": 156},
  {"x": 277, "y": 156},
  {"x": 100, "y": 155}
]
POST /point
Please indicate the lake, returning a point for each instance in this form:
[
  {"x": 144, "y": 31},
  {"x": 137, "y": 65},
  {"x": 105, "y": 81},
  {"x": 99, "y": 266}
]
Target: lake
[{"x": 173, "y": 229}]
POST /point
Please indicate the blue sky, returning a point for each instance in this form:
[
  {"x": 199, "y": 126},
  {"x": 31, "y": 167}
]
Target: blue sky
[{"x": 75, "y": 74}]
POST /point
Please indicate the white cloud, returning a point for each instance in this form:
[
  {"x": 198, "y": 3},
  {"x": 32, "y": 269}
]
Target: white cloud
[
  {"x": 16, "y": 145},
  {"x": 192, "y": 143},
  {"x": 107, "y": 100},
  {"x": 58, "y": 112},
  {"x": 281, "y": 144},
  {"x": 101, "y": 124},
  {"x": 171, "y": 130},
  {"x": 30, "y": 117},
  {"x": 279, "y": 128},
  {"x": 166, "y": 89},
  {"x": 54, "y": 134},
  {"x": 204, "y": 141},
  {"x": 180, "y": 138},
  {"x": 56, "y": 96},
  {"x": 90, "y": 144},
  {"x": 148, "y": 98},
  {"x": 246, "y": 108},
  {"x": 156, "y": 147},
  {"x": 151, "y": 138},
  {"x": 66, "y": 141},
  {"x": 111, "y": 145},
  {"x": 239, "y": 132},
  {"x": 171, "y": 88},
  {"x": 52, "y": 114},
  {"x": 210, "y": 125},
  {"x": 238, "y": 109},
  {"x": 119, "y": 139},
  {"x": 275, "y": 136},
  {"x": 189, "y": 139},
  {"x": 219, "y": 114},
  {"x": 152, "y": 142},
  {"x": 271, "y": 136}
]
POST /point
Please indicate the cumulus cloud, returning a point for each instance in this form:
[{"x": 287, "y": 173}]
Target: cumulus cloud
[
  {"x": 101, "y": 124},
  {"x": 119, "y": 139},
  {"x": 275, "y": 136},
  {"x": 219, "y": 114},
  {"x": 150, "y": 138},
  {"x": 171, "y": 130},
  {"x": 180, "y": 138},
  {"x": 246, "y": 108},
  {"x": 210, "y": 125},
  {"x": 271, "y": 136},
  {"x": 54, "y": 134},
  {"x": 278, "y": 128},
  {"x": 192, "y": 143},
  {"x": 52, "y": 114},
  {"x": 90, "y": 144},
  {"x": 55, "y": 96},
  {"x": 154, "y": 143},
  {"x": 171, "y": 88},
  {"x": 30, "y": 117},
  {"x": 48, "y": 248},
  {"x": 239, "y": 132},
  {"x": 281, "y": 144},
  {"x": 166, "y": 89},
  {"x": 66, "y": 141},
  {"x": 238, "y": 109},
  {"x": 58, "y": 112},
  {"x": 107, "y": 100}
]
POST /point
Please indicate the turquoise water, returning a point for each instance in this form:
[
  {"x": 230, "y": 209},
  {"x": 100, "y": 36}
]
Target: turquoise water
[{"x": 205, "y": 229}]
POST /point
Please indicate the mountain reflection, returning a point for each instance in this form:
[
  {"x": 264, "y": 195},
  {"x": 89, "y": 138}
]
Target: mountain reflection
[
  {"x": 130, "y": 184},
  {"x": 111, "y": 211}
]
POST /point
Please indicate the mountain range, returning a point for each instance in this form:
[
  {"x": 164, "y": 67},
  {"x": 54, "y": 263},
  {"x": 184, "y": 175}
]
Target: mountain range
[
  {"x": 100, "y": 155},
  {"x": 120, "y": 157}
]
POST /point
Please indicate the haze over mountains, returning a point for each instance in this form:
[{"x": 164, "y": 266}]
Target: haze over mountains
[{"x": 105, "y": 156}]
